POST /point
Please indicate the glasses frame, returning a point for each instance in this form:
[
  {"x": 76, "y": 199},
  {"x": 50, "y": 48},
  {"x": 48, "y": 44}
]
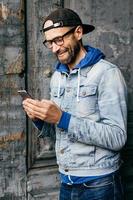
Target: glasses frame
[{"x": 58, "y": 40}]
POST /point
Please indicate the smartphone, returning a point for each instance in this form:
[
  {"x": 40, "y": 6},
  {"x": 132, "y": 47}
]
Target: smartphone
[{"x": 24, "y": 94}]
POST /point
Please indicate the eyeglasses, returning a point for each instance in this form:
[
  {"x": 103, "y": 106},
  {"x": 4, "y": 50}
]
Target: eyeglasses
[{"x": 58, "y": 40}]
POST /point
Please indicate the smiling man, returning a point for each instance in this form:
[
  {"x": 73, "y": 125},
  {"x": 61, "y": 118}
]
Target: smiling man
[{"x": 88, "y": 108}]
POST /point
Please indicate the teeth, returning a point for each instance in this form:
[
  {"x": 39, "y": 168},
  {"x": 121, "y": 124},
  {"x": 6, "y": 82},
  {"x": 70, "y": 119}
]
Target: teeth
[{"x": 62, "y": 53}]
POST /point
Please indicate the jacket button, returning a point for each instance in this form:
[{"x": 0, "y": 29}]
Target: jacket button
[
  {"x": 84, "y": 93},
  {"x": 67, "y": 89},
  {"x": 62, "y": 151}
]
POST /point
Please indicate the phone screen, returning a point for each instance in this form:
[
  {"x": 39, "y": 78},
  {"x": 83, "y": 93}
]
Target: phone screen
[{"x": 24, "y": 94}]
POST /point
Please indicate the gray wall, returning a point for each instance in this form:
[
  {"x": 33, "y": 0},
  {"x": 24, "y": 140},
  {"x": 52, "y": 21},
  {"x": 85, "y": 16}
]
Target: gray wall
[
  {"x": 12, "y": 119},
  {"x": 27, "y": 164}
]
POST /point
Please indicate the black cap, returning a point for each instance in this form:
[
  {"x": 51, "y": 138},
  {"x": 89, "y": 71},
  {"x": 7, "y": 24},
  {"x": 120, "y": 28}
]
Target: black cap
[{"x": 65, "y": 17}]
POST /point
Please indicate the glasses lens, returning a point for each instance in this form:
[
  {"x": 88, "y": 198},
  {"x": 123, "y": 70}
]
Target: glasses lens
[
  {"x": 47, "y": 44},
  {"x": 58, "y": 41}
]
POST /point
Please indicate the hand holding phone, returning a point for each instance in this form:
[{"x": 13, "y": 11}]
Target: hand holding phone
[{"x": 24, "y": 94}]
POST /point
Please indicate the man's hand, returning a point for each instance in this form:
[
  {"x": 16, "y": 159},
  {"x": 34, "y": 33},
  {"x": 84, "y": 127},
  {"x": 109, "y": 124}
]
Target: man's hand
[{"x": 45, "y": 110}]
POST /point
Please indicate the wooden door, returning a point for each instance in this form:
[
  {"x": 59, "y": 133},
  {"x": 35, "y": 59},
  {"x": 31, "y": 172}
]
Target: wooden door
[{"x": 42, "y": 177}]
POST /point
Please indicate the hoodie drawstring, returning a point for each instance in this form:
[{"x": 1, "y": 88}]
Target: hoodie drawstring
[
  {"x": 78, "y": 85},
  {"x": 59, "y": 84}
]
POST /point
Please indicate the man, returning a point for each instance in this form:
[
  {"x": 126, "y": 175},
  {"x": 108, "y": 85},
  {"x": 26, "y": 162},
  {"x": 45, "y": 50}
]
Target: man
[{"x": 88, "y": 108}]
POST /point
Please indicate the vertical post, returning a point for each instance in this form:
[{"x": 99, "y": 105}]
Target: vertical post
[{"x": 62, "y": 3}]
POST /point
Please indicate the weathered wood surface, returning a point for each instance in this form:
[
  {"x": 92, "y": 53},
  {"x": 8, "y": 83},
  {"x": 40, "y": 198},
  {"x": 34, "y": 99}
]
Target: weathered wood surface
[
  {"x": 113, "y": 34},
  {"x": 12, "y": 118}
]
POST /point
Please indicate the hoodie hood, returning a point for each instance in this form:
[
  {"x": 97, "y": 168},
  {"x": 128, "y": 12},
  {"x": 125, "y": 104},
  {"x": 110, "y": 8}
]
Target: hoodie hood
[{"x": 92, "y": 56}]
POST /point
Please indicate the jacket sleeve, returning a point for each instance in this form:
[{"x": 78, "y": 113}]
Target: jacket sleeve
[
  {"x": 38, "y": 124},
  {"x": 110, "y": 130},
  {"x": 45, "y": 129}
]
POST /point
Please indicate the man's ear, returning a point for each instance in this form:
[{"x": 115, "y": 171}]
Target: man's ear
[{"x": 79, "y": 32}]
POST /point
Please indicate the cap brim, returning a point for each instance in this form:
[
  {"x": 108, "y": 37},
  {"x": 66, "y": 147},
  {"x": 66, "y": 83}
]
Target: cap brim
[{"x": 87, "y": 28}]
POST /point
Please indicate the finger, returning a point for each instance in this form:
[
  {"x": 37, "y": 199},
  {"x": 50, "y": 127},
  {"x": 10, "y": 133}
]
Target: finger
[
  {"x": 32, "y": 105},
  {"x": 36, "y": 112},
  {"x": 29, "y": 101},
  {"x": 30, "y": 116}
]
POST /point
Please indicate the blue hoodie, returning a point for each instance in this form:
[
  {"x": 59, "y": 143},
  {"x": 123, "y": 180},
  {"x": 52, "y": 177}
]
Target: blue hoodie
[{"x": 92, "y": 56}]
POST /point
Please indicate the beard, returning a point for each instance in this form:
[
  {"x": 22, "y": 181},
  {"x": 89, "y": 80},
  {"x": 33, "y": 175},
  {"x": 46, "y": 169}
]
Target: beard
[{"x": 71, "y": 52}]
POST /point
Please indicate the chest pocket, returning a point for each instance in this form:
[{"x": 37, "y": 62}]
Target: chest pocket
[
  {"x": 57, "y": 94},
  {"x": 87, "y": 100},
  {"x": 88, "y": 90}
]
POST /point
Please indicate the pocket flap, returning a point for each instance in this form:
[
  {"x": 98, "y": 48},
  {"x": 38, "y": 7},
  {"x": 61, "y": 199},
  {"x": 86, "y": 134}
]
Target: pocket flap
[
  {"x": 87, "y": 90},
  {"x": 55, "y": 91}
]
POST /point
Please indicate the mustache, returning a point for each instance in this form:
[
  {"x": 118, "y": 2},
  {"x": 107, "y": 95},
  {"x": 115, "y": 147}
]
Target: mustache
[{"x": 61, "y": 51}]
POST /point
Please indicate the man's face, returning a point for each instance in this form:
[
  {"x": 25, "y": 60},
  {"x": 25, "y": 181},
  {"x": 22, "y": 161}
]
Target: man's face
[{"x": 67, "y": 52}]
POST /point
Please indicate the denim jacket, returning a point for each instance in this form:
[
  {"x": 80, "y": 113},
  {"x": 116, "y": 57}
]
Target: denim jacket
[{"x": 95, "y": 98}]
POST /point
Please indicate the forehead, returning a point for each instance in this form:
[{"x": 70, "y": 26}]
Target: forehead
[{"x": 54, "y": 32}]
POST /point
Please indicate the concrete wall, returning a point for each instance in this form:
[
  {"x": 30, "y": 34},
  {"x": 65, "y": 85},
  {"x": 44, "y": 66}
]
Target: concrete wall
[
  {"x": 12, "y": 118},
  {"x": 24, "y": 62}
]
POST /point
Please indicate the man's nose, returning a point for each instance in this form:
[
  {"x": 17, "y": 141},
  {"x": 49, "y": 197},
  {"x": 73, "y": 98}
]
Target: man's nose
[{"x": 55, "y": 47}]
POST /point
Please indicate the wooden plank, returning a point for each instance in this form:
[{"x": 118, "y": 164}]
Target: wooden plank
[{"x": 12, "y": 117}]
